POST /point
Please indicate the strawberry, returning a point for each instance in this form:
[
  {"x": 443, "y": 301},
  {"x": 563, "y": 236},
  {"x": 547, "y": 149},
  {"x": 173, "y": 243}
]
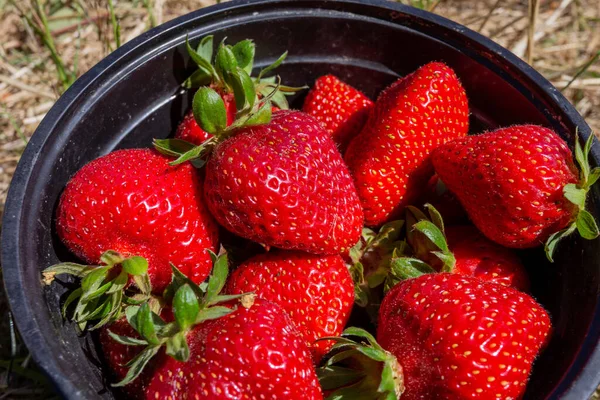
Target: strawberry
[
  {"x": 390, "y": 158},
  {"x": 519, "y": 185},
  {"x": 190, "y": 131},
  {"x": 340, "y": 108},
  {"x": 284, "y": 184},
  {"x": 457, "y": 337},
  {"x": 218, "y": 347},
  {"x": 443, "y": 336},
  {"x": 317, "y": 292},
  {"x": 462, "y": 250},
  {"x": 132, "y": 202}
]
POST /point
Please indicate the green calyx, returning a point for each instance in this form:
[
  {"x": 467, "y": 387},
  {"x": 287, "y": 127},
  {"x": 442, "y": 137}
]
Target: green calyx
[
  {"x": 101, "y": 296},
  {"x": 426, "y": 235},
  {"x": 229, "y": 72},
  {"x": 192, "y": 304},
  {"x": 360, "y": 369},
  {"x": 582, "y": 221}
]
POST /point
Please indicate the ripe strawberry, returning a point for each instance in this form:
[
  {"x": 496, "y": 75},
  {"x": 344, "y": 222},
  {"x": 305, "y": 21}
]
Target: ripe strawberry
[
  {"x": 340, "y": 108},
  {"x": 462, "y": 250},
  {"x": 457, "y": 337},
  {"x": 317, "y": 292},
  {"x": 519, "y": 185},
  {"x": 390, "y": 158},
  {"x": 284, "y": 184},
  {"x": 253, "y": 351},
  {"x": 190, "y": 131},
  {"x": 134, "y": 203}
]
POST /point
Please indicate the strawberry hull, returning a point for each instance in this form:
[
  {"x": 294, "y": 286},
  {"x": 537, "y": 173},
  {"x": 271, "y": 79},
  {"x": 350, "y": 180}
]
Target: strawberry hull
[{"x": 127, "y": 100}]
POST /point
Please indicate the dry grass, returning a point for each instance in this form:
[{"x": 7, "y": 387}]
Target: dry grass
[{"x": 560, "y": 38}]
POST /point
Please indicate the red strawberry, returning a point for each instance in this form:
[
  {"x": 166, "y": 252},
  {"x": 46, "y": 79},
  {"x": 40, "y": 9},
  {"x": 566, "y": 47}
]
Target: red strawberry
[
  {"x": 390, "y": 158},
  {"x": 479, "y": 257},
  {"x": 284, "y": 184},
  {"x": 342, "y": 109},
  {"x": 462, "y": 250},
  {"x": 133, "y": 202},
  {"x": 457, "y": 337},
  {"x": 519, "y": 185},
  {"x": 317, "y": 292},
  {"x": 189, "y": 129},
  {"x": 254, "y": 352}
]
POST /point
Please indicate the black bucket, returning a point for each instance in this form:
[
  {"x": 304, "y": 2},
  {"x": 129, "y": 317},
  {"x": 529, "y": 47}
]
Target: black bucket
[{"x": 133, "y": 96}]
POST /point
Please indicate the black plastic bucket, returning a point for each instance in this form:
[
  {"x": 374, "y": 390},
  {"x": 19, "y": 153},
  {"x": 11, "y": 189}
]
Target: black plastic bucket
[{"x": 133, "y": 96}]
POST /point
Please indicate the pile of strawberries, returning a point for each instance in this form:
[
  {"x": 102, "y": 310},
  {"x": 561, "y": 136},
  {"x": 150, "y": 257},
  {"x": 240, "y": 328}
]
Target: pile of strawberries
[{"x": 387, "y": 207}]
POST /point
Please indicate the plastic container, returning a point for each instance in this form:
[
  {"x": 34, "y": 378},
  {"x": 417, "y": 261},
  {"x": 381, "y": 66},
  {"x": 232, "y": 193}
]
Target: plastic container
[{"x": 133, "y": 95}]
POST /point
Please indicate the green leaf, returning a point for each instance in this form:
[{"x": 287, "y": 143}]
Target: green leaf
[
  {"x": 594, "y": 175},
  {"x": 575, "y": 195},
  {"x": 131, "y": 315},
  {"x": 332, "y": 377},
  {"x": 205, "y": 48},
  {"x": 185, "y": 307},
  {"x": 581, "y": 160},
  {"x": 357, "y": 271},
  {"x": 135, "y": 265},
  {"x": 137, "y": 364},
  {"x": 94, "y": 279},
  {"x": 69, "y": 268},
  {"x": 361, "y": 297},
  {"x": 417, "y": 214},
  {"x": 279, "y": 100},
  {"x": 435, "y": 216},
  {"x": 209, "y": 110},
  {"x": 217, "y": 279},
  {"x": 214, "y": 312},
  {"x": 143, "y": 283},
  {"x": 261, "y": 117},
  {"x": 227, "y": 297},
  {"x": 126, "y": 340},
  {"x": 244, "y": 54},
  {"x": 271, "y": 67},
  {"x": 145, "y": 324},
  {"x": 555, "y": 238},
  {"x": 172, "y": 147},
  {"x": 199, "y": 60},
  {"x": 433, "y": 233},
  {"x": 225, "y": 63},
  {"x": 198, "y": 78},
  {"x": 361, "y": 333},
  {"x": 118, "y": 283},
  {"x": 177, "y": 347},
  {"x": 194, "y": 154},
  {"x": 111, "y": 258},
  {"x": 74, "y": 295},
  {"x": 243, "y": 89},
  {"x": 586, "y": 225},
  {"x": 407, "y": 267}
]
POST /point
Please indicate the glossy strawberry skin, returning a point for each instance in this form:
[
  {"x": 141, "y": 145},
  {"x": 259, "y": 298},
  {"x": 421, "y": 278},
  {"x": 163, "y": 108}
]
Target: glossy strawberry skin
[
  {"x": 131, "y": 201},
  {"x": 340, "y": 108},
  {"x": 390, "y": 158},
  {"x": 317, "y": 292},
  {"x": 189, "y": 130},
  {"x": 480, "y": 257},
  {"x": 284, "y": 184},
  {"x": 461, "y": 338},
  {"x": 255, "y": 352},
  {"x": 510, "y": 182}
]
